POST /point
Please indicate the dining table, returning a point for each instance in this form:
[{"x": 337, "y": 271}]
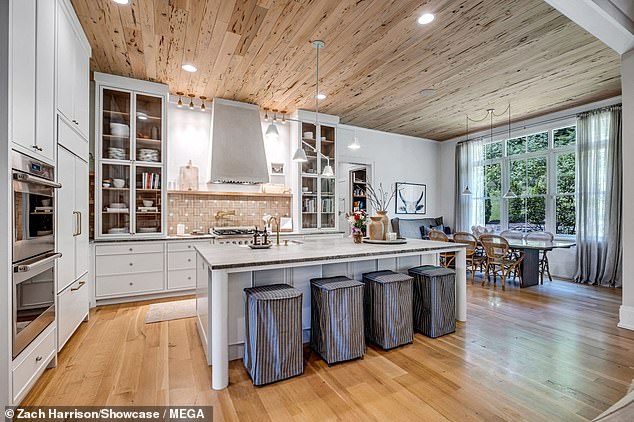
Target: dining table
[{"x": 531, "y": 250}]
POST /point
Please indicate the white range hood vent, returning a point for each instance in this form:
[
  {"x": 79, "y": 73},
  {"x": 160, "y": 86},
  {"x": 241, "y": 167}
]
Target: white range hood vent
[{"x": 237, "y": 144}]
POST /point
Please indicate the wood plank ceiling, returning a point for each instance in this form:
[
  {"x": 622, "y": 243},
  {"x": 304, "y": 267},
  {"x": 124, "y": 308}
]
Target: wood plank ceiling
[{"x": 476, "y": 54}]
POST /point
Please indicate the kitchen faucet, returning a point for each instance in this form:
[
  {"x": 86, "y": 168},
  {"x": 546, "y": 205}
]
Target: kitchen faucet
[
  {"x": 222, "y": 214},
  {"x": 278, "y": 229}
]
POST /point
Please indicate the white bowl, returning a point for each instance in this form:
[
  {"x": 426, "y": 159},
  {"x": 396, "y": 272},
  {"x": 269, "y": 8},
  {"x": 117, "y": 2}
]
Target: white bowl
[
  {"x": 308, "y": 135},
  {"x": 147, "y": 203},
  {"x": 46, "y": 202},
  {"x": 118, "y": 183},
  {"x": 119, "y": 129}
]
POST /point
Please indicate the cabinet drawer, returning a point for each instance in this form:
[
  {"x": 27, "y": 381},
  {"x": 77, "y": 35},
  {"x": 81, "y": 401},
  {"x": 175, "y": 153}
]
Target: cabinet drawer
[
  {"x": 131, "y": 263},
  {"x": 28, "y": 370},
  {"x": 72, "y": 308},
  {"x": 186, "y": 246},
  {"x": 181, "y": 260},
  {"x": 129, "y": 284},
  {"x": 128, "y": 248},
  {"x": 181, "y": 279},
  {"x": 71, "y": 139}
]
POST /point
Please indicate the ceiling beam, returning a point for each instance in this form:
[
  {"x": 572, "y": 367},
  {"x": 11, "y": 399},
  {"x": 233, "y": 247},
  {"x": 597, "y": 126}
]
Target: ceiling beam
[{"x": 601, "y": 18}]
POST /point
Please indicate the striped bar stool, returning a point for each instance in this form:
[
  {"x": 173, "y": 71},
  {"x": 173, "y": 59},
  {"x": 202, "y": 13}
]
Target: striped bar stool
[
  {"x": 388, "y": 308},
  {"x": 273, "y": 346},
  {"x": 434, "y": 300},
  {"x": 337, "y": 318}
]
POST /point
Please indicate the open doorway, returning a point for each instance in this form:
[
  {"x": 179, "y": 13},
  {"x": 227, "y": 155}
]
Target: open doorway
[{"x": 351, "y": 188}]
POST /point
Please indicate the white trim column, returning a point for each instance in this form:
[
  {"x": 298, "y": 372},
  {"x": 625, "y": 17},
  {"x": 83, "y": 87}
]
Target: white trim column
[{"x": 626, "y": 313}]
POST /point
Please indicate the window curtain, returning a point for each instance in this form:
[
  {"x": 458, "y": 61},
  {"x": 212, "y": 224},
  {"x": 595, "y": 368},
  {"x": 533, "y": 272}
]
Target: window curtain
[
  {"x": 469, "y": 208},
  {"x": 599, "y": 201}
]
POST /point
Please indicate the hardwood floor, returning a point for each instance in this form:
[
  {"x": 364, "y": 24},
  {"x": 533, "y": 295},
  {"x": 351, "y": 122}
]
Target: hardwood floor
[{"x": 550, "y": 352}]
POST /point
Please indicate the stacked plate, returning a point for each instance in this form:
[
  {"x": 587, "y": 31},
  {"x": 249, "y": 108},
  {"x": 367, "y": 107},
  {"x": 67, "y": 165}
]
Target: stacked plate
[
  {"x": 146, "y": 154},
  {"x": 116, "y": 153},
  {"x": 148, "y": 229}
]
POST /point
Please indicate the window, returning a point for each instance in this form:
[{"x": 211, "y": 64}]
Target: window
[{"x": 538, "y": 171}]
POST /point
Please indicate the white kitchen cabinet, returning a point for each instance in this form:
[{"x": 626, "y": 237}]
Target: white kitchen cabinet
[
  {"x": 32, "y": 88},
  {"x": 72, "y": 218},
  {"x": 73, "y": 69},
  {"x": 72, "y": 309},
  {"x": 28, "y": 367}
]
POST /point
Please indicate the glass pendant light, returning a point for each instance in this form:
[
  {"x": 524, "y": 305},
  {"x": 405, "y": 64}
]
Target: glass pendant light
[
  {"x": 328, "y": 172},
  {"x": 180, "y": 99},
  {"x": 300, "y": 156},
  {"x": 202, "y": 106},
  {"x": 191, "y": 101},
  {"x": 467, "y": 191}
]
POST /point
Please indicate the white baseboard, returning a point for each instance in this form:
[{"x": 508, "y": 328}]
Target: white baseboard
[{"x": 626, "y": 317}]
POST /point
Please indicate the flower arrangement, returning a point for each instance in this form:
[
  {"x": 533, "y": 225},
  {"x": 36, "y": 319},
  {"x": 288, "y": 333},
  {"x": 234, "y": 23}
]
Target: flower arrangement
[{"x": 358, "y": 221}]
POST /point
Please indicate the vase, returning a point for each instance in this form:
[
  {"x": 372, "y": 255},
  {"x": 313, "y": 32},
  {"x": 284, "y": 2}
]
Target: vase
[
  {"x": 386, "y": 223},
  {"x": 357, "y": 237},
  {"x": 376, "y": 228}
]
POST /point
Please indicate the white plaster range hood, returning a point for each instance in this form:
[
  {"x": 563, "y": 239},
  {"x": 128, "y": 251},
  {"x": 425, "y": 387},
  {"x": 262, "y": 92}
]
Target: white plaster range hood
[{"x": 237, "y": 144}]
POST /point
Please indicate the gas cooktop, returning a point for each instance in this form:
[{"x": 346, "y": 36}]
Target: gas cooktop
[{"x": 234, "y": 231}]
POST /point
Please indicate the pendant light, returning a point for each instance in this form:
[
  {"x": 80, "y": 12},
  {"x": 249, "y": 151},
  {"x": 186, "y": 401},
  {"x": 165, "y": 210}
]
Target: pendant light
[
  {"x": 266, "y": 114},
  {"x": 490, "y": 114},
  {"x": 202, "y": 106},
  {"x": 355, "y": 144},
  {"x": 180, "y": 99},
  {"x": 272, "y": 131},
  {"x": 300, "y": 154},
  {"x": 284, "y": 117},
  {"x": 191, "y": 101}
]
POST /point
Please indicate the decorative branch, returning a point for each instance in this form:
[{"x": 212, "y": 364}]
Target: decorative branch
[{"x": 380, "y": 199}]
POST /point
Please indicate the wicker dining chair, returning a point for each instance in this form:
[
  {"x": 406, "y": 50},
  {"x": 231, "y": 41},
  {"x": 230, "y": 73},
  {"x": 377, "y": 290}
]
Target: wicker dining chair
[
  {"x": 499, "y": 261},
  {"x": 475, "y": 256},
  {"x": 544, "y": 267},
  {"x": 446, "y": 258}
]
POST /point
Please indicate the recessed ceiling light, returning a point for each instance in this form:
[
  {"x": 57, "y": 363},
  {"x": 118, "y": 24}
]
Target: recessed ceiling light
[
  {"x": 428, "y": 92},
  {"x": 189, "y": 68},
  {"x": 121, "y": 1},
  {"x": 321, "y": 96},
  {"x": 426, "y": 18}
]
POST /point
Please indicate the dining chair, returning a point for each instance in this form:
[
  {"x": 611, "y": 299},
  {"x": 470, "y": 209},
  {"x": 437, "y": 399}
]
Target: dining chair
[
  {"x": 446, "y": 258},
  {"x": 475, "y": 255},
  {"x": 544, "y": 267},
  {"x": 499, "y": 261}
]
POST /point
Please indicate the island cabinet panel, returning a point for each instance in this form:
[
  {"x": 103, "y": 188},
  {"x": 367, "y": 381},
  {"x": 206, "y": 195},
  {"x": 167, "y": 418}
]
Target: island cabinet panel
[
  {"x": 333, "y": 270},
  {"x": 237, "y": 283}
]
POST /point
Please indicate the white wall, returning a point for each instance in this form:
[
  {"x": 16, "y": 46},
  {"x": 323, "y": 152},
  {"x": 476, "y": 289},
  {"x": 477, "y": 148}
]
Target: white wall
[
  {"x": 562, "y": 262},
  {"x": 627, "y": 78},
  {"x": 189, "y": 139},
  {"x": 395, "y": 158},
  {"x": 5, "y": 215}
]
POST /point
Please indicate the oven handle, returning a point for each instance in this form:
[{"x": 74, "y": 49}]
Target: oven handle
[
  {"x": 28, "y": 178},
  {"x": 25, "y": 268}
]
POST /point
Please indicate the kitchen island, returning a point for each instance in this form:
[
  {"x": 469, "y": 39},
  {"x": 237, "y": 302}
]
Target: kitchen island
[{"x": 223, "y": 272}]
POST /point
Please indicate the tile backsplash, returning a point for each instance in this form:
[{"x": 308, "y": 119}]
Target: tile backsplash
[{"x": 197, "y": 211}]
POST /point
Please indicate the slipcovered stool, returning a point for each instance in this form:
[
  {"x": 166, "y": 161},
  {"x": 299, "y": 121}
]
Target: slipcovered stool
[
  {"x": 337, "y": 318},
  {"x": 273, "y": 339},
  {"x": 388, "y": 308},
  {"x": 434, "y": 300}
]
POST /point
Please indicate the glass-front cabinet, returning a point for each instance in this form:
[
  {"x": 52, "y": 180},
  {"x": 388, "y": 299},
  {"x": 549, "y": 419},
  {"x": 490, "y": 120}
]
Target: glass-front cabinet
[
  {"x": 130, "y": 157},
  {"x": 317, "y": 200}
]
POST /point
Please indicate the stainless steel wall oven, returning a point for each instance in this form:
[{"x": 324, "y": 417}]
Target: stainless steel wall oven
[{"x": 33, "y": 249}]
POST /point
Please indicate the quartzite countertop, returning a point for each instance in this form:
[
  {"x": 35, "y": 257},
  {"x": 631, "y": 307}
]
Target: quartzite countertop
[
  {"x": 223, "y": 271},
  {"x": 222, "y": 257}
]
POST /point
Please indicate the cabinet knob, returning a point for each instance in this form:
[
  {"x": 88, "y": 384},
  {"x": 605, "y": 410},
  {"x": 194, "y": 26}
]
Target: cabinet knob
[
  {"x": 39, "y": 358},
  {"x": 189, "y": 278},
  {"x": 189, "y": 260},
  {"x": 76, "y": 122},
  {"x": 35, "y": 147},
  {"x": 131, "y": 284},
  {"x": 131, "y": 264},
  {"x": 189, "y": 246},
  {"x": 130, "y": 249}
]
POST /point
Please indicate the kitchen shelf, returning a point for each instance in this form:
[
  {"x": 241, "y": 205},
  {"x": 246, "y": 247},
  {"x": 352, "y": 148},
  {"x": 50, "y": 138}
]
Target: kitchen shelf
[
  {"x": 118, "y": 113},
  {"x": 207, "y": 193},
  {"x": 148, "y": 140},
  {"x": 114, "y": 189}
]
